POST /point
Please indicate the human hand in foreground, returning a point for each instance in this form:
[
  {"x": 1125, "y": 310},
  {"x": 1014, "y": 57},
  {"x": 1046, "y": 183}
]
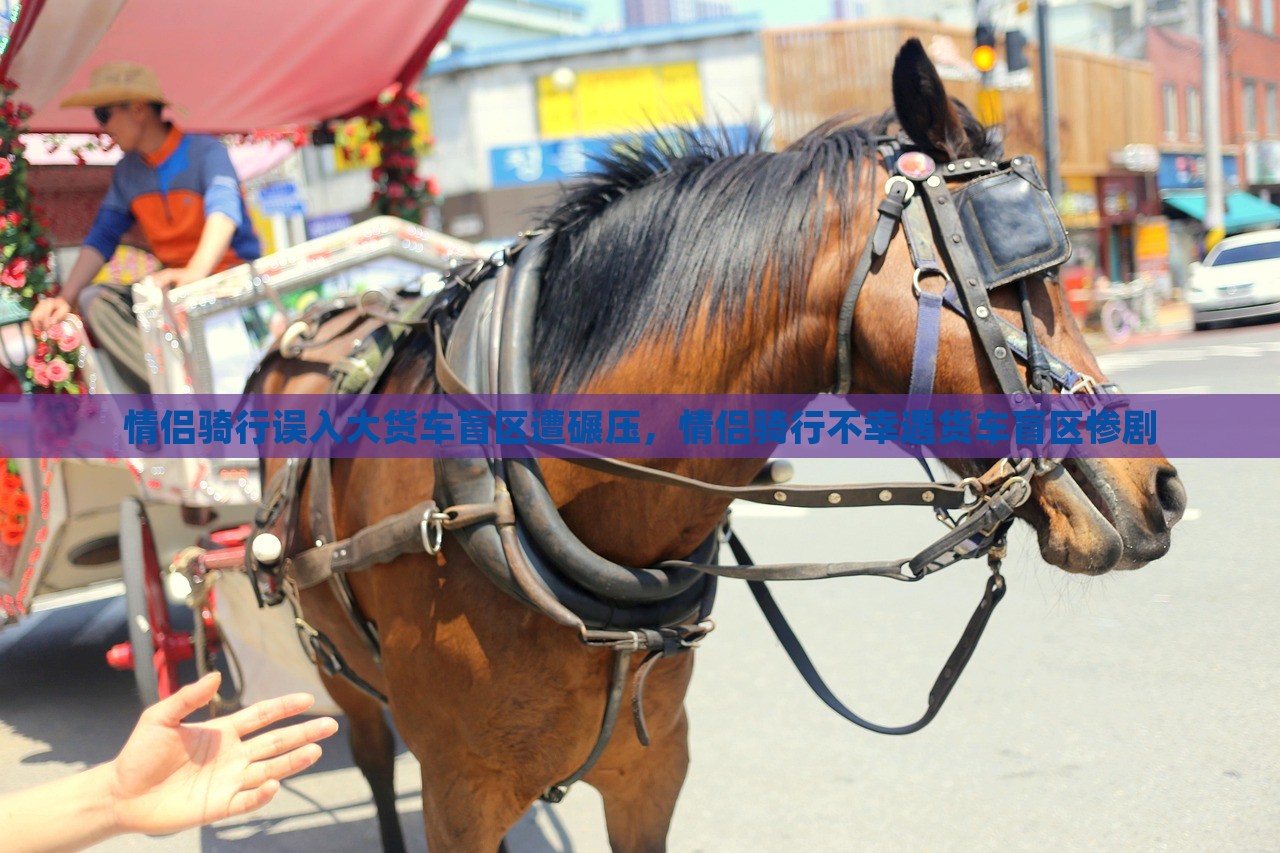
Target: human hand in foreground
[
  {"x": 170, "y": 277},
  {"x": 48, "y": 313},
  {"x": 171, "y": 775}
]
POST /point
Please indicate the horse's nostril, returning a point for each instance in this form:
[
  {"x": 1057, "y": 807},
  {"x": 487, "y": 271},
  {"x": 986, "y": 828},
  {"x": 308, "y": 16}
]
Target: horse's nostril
[{"x": 1171, "y": 495}]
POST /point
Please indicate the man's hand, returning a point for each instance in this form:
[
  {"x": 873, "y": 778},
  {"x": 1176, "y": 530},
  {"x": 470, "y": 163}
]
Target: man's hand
[
  {"x": 175, "y": 277},
  {"x": 49, "y": 312},
  {"x": 172, "y": 775}
]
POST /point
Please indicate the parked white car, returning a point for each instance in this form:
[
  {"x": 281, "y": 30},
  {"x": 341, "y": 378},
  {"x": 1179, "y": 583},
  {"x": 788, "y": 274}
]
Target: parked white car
[{"x": 1239, "y": 280}]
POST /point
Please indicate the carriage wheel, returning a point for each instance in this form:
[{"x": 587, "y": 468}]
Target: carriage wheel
[
  {"x": 1117, "y": 321},
  {"x": 156, "y": 648}
]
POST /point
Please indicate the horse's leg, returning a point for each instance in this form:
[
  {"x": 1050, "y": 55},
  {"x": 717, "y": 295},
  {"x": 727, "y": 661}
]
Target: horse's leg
[
  {"x": 640, "y": 784},
  {"x": 374, "y": 749},
  {"x": 467, "y": 812}
]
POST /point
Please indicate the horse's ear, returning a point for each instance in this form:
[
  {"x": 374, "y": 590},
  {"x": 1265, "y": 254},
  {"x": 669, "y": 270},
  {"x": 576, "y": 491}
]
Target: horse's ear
[{"x": 924, "y": 110}]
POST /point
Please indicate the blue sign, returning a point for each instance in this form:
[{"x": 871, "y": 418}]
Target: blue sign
[
  {"x": 319, "y": 226},
  {"x": 548, "y": 162},
  {"x": 1186, "y": 171},
  {"x": 281, "y": 199}
]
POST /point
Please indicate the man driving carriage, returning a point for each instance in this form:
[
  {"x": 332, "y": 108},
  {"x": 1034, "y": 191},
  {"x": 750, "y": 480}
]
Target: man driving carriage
[{"x": 180, "y": 189}]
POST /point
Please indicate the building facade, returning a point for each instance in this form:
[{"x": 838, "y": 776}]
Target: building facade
[
  {"x": 513, "y": 122},
  {"x": 1249, "y": 88},
  {"x": 648, "y": 13}
]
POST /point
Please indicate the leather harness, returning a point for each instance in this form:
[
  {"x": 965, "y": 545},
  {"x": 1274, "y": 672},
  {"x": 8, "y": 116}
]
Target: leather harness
[{"x": 501, "y": 513}]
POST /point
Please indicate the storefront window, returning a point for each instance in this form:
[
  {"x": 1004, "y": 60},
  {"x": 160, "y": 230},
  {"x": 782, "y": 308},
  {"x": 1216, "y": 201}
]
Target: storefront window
[
  {"x": 1244, "y": 9},
  {"x": 1272, "y": 109}
]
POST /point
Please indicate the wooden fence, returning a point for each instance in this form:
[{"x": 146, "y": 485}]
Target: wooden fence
[{"x": 1104, "y": 103}]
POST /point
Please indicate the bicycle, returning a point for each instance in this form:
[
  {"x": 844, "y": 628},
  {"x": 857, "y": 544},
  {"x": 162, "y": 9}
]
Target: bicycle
[{"x": 1125, "y": 308}]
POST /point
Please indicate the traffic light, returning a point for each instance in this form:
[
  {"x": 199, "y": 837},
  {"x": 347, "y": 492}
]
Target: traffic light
[
  {"x": 1015, "y": 50},
  {"x": 984, "y": 47}
]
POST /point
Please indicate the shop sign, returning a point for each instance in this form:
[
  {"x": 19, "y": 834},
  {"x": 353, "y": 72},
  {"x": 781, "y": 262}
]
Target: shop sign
[
  {"x": 1118, "y": 198},
  {"x": 1151, "y": 253},
  {"x": 549, "y": 161},
  {"x": 282, "y": 198},
  {"x": 1186, "y": 171},
  {"x": 1078, "y": 203}
]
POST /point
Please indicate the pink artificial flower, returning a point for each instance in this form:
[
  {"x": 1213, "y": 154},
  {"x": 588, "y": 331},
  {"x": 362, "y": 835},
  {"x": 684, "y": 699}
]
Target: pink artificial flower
[
  {"x": 40, "y": 375},
  {"x": 14, "y": 276},
  {"x": 57, "y": 371},
  {"x": 70, "y": 340},
  {"x": 55, "y": 333},
  {"x": 33, "y": 360}
]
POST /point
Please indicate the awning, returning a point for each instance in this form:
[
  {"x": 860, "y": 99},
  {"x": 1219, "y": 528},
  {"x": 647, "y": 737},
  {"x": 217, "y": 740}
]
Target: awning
[
  {"x": 1243, "y": 211},
  {"x": 233, "y": 65}
]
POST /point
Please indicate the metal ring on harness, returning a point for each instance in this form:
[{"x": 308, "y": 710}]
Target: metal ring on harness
[
  {"x": 291, "y": 340},
  {"x": 915, "y": 279},
  {"x": 432, "y": 530}
]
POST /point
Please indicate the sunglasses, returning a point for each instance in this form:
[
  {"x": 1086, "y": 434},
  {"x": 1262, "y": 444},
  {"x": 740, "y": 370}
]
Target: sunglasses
[{"x": 103, "y": 114}]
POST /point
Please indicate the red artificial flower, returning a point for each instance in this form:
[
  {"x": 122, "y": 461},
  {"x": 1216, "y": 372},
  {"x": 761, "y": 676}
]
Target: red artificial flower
[
  {"x": 433, "y": 185},
  {"x": 388, "y": 94},
  {"x": 5, "y": 167},
  {"x": 11, "y": 533},
  {"x": 19, "y": 504}
]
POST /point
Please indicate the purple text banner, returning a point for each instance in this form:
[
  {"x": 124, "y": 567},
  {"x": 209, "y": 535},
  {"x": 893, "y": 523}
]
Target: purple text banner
[{"x": 638, "y": 426}]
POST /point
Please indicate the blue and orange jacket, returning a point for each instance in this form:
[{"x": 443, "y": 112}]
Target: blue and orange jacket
[{"x": 169, "y": 193}]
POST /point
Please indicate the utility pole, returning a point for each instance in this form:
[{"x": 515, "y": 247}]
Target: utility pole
[
  {"x": 1049, "y": 100},
  {"x": 1211, "y": 86}
]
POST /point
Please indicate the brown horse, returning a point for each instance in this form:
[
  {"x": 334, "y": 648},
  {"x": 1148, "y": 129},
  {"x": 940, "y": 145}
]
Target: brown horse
[{"x": 695, "y": 271}]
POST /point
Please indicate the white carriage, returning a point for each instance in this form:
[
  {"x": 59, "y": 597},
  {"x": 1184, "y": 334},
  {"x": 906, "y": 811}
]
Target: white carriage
[{"x": 100, "y": 527}]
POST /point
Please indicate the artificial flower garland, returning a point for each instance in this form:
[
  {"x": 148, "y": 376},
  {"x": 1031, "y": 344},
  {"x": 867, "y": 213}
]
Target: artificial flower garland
[
  {"x": 398, "y": 189},
  {"x": 24, "y": 264},
  {"x": 15, "y": 506}
]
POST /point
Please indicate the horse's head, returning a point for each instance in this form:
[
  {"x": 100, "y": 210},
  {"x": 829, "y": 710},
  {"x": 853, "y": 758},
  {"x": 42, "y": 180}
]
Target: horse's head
[{"x": 1092, "y": 515}]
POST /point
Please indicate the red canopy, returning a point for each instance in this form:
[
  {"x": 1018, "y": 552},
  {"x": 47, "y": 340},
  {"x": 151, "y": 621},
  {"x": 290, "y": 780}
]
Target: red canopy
[{"x": 233, "y": 65}]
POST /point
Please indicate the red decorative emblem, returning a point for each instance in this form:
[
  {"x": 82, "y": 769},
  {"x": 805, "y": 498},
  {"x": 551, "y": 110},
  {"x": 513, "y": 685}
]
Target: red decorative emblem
[{"x": 915, "y": 165}]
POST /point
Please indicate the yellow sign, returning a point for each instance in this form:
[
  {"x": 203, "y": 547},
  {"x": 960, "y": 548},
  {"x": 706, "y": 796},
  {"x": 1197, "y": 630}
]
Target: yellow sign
[
  {"x": 1151, "y": 241},
  {"x": 618, "y": 100},
  {"x": 263, "y": 228}
]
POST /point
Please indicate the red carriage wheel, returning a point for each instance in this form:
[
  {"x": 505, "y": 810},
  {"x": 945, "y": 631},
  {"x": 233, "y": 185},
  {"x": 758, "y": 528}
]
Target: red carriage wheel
[{"x": 157, "y": 648}]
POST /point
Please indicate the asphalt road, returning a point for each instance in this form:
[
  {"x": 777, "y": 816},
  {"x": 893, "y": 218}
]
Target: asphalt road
[{"x": 1134, "y": 711}]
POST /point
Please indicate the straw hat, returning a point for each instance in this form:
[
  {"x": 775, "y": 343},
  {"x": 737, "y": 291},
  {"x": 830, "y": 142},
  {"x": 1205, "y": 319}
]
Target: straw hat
[{"x": 117, "y": 83}]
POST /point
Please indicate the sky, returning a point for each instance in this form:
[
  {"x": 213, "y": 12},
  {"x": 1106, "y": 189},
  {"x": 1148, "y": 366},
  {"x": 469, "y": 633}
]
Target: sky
[{"x": 776, "y": 13}]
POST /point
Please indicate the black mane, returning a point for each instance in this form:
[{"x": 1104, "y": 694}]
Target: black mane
[{"x": 636, "y": 244}]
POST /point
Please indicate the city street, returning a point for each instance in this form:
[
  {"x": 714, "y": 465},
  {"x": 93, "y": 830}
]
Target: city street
[{"x": 1133, "y": 711}]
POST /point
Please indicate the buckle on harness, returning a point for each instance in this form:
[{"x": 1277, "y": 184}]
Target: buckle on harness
[{"x": 911, "y": 188}]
